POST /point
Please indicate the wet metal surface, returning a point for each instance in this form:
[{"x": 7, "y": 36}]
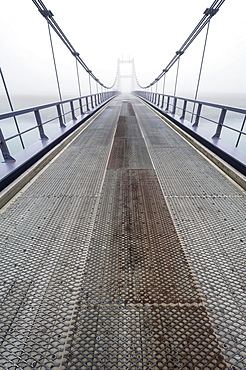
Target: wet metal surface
[{"x": 95, "y": 275}]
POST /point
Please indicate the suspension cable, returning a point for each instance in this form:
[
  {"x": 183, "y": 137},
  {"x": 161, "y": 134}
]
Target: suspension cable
[
  {"x": 54, "y": 61},
  {"x": 51, "y": 21},
  {"x": 208, "y": 14},
  {"x": 203, "y": 54},
  {"x": 11, "y": 107},
  {"x": 77, "y": 71}
]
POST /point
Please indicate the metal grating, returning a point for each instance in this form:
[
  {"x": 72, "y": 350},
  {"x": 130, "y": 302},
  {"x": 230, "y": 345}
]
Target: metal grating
[
  {"x": 209, "y": 215},
  {"x": 94, "y": 273},
  {"x": 139, "y": 306},
  {"x": 45, "y": 234}
]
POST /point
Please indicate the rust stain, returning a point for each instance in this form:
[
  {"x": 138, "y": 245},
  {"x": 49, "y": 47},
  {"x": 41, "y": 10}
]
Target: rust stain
[{"x": 143, "y": 303}]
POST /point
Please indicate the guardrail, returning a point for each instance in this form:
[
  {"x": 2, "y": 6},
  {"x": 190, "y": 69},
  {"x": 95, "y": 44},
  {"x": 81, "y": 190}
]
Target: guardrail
[
  {"x": 65, "y": 110},
  {"x": 221, "y": 128},
  {"x": 38, "y": 130},
  {"x": 192, "y": 111}
]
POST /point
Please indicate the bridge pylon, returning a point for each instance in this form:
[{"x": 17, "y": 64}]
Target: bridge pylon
[{"x": 123, "y": 75}]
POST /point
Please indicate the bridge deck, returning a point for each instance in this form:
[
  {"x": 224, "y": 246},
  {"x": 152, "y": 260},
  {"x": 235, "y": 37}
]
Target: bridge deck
[{"x": 126, "y": 252}]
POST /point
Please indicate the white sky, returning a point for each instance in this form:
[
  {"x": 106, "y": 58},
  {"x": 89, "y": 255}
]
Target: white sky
[{"x": 103, "y": 31}]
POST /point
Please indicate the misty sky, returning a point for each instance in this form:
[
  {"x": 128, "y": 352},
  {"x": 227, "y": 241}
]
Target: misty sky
[{"x": 103, "y": 31}]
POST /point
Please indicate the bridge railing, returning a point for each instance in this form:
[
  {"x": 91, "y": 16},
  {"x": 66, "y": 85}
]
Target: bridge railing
[
  {"x": 34, "y": 121},
  {"x": 215, "y": 118}
]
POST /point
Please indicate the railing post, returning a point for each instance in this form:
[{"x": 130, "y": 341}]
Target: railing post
[
  {"x": 158, "y": 100},
  {"x": 220, "y": 123},
  {"x": 58, "y": 108},
  {"x": 96, "y": 102},
  {"x": 155, "y": 98},
  {"x": 168, "y": 102},
  {"x": 162, "y": 101},
  {"x": 174, "y": 105},
  {"x": 4, "y": 149},
  {"x": 40, "y": 125},
  {"x": 87, "y": 104},
  {"x": 198, "y": 113},
  {"x": 184, "y": 110},
  {"x": 92, "y": 106},
  {"x": 72, "y": 111},
  {"x": 81, "y": 107}
]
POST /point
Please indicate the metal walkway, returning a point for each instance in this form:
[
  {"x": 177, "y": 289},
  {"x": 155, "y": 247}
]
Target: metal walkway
[{"x": 126, "y": 252}]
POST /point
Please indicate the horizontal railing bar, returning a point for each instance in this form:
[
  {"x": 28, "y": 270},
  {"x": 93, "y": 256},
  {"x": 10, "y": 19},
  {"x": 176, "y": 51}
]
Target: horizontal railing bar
[
  {"x": 190, "y": 112},
  {"x": 39, "y": 107},
  {"x": 214, "y": 105},
  {"x": 36, "y": 126},
  {"x": 172, "y": 103},
  {"x": 85, "y": 104},
  {"x": 219, "y": 106},
  {"x": 233, "y": 129},
  {"x": 21, "y": 133}
]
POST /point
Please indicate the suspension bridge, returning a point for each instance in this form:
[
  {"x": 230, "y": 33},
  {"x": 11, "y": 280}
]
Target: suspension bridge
[{"x": 123, "y": 226}]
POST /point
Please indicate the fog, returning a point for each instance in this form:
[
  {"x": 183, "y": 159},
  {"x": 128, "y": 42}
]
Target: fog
[{"x": 103, "y": 31}]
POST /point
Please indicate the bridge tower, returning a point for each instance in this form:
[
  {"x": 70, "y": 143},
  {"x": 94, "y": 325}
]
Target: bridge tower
[{"x": 126, "y": 71}]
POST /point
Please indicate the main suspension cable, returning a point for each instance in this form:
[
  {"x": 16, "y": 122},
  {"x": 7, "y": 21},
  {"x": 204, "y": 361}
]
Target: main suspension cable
[
  {"x": 48, "y": 15},
  {"x": 208, "y": 14}
]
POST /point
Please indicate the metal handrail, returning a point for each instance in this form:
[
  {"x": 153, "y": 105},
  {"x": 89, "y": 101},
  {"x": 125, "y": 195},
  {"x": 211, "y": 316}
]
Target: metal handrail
[
  {"x": 86, "y": 104},
  {"x": 169, "y": 104}
]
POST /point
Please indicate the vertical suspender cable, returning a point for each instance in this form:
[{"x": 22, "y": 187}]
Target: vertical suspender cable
[
  {"x": 178, "y": 53},
  {"x": 77, "y": 69},
  {"x": 241, "y": 130},
  {"x": 90, "y": 83},
  {"x": 54, "y": 60},
  {"x": 200, "y": 72},
  {"x": 164, "y": 83},
  {"x": 176, "y": 80},
  {"x": 11, "y": 107}
]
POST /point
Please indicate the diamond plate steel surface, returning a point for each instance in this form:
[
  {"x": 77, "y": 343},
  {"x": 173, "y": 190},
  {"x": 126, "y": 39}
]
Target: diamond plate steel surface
[
  {"x": 139, "y": 306},
  {"x": 94, "y": 273},
  {"x": 209, "y": 214},
  {"x": 45, "y": 234}
]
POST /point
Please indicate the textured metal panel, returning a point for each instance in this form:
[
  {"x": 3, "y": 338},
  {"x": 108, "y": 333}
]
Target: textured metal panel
[
  {"x": 145, "y": 262},
  {"x": 129, "y": 149},
  {"x": 45, "y": 234},
  {"x": 209, "y": 214},
  {"x": 139, "y": 306},
  {"x": 94, "y": 273}
]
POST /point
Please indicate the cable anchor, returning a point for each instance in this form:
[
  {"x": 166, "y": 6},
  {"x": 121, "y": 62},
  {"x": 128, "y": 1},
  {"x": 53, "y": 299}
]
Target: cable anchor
[
  {"x": 46, "y": 13},
  {"x": 211, "y": 12}
]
